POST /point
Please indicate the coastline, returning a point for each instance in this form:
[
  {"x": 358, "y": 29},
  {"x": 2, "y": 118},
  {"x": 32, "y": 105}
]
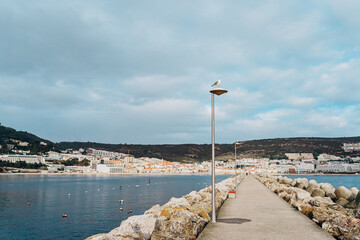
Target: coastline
[{"x": 116, "y": 174}]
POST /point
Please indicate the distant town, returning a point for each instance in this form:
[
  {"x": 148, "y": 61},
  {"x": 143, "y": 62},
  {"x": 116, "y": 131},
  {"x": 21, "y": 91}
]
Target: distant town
[{"x": 92, "y": 160}]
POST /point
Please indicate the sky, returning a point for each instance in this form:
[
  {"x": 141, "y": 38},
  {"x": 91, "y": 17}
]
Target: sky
[{"x": 140, "y": 71}]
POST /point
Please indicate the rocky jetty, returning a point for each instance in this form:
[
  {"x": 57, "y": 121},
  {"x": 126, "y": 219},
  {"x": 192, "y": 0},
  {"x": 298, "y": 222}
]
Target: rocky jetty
[
  {"x": 335, "y": 210},
  {"x": 180, "y": 218}
]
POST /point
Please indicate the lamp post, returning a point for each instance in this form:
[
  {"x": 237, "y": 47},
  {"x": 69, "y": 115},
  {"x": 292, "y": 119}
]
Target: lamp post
[
  {"x": 236, "y": 144},
  {"x": 215, "y": 91}
]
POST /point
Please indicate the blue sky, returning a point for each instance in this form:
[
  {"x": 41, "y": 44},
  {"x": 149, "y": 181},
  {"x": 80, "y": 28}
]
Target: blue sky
[{"x": 140, "y": 71}]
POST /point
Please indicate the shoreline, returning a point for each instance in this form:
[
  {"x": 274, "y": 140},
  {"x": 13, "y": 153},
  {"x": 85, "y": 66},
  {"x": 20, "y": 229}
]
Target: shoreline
[{"x": 116, "y": 174}]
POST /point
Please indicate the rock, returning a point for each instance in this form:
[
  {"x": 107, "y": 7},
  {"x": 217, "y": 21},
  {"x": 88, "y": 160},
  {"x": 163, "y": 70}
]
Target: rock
[
  {"x": 327, "y": 188},
  {"x": 343, "y": 192},
  {"x": 331, "y": 195},
  {"x": 155, "y": 210},
  {"x": 302, "y": 183},
  {"x": 355, "y": 192},
  {"x": 343, "y": 227},
  {"x": 141, "y": 226},
  {"x": 355, "y": 204},
  {"x": 177, "y": 202},
  {"x": 193, "y": 197},
  {"x": 342, "y": 201},
  {"x": 284, "y": 196},
  {"x": 101, "y": 236},
  {"x": 301, "y": 195},
  {"x": 314, "y": 184},
  {"x": 287, "y": 180},
  {"x": 181, "y": 225},
  {"x": 317, "y": 192},
  {"x": 306, "y": 209}
]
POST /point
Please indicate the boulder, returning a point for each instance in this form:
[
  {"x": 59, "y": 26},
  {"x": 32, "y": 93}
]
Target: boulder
[
  {"x": 137, "y": 227},
  {"x": 302, "y": 183},
  {"x": 301, "y": 195},
  {"x": 284, "y": 196},
  {"x": 354, "y": 204},
  {"x": 327, "y": 188},
  {"x": 317, "y": 192},
  {"x": 343, "y": 192},
  {"x": 287, "y": 180},
  {"x": 193, "y": 197},
  {"x": 306, "y": 209},
  {"x": 355, "y": 192},
  {"x": 181, "y": 225},
  {"x": 342, "y": 201},
  {"x": 312, "y": 185},
  {"x": 343, "y": 227}
]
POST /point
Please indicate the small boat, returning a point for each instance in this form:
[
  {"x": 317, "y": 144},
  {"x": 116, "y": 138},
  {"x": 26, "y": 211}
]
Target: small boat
[{"x": 64, "y": 216}]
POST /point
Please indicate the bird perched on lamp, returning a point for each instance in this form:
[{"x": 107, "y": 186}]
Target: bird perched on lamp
[{"x": 217, "y": 83}]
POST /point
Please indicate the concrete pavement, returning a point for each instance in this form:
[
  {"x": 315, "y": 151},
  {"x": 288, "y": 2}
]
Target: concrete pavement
[{"x": 263, "y": 215}]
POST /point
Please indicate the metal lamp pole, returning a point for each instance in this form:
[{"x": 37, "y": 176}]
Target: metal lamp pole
[
  {"x": 218, "y": 91},
  {"x": 236, "y": 143}
]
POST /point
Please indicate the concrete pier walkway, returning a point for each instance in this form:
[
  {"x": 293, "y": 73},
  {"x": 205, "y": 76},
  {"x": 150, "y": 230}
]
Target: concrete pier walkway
[{"x": 263, "y": 215}]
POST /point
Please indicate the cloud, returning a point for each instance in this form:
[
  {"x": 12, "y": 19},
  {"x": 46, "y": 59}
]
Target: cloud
[{"x": 140, "y": 72}]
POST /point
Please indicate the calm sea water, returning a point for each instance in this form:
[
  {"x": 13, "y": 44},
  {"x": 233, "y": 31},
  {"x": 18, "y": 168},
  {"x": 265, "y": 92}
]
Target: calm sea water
[
  {"x": 91, "y": 202},
  {"x": 348, "y": 181}
]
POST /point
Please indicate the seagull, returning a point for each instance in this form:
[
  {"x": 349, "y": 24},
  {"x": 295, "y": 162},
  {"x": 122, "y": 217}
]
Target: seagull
[{"x": 217, "y": 83}]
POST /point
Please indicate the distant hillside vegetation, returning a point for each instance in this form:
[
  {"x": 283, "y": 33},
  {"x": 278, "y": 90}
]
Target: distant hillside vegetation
[
  {"x": 7, "y": 143},
  {"x": 273, "y": 148}
]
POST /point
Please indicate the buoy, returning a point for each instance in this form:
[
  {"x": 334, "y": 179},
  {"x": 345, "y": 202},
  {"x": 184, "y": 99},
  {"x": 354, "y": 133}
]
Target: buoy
[
  {"x": 28, "y": 204},
  {"x": 64, "y": 216},
  {"x": 130, "y": 211},
  {"x": 121, "y": 209},
  {"x": 149, "y": 180}
]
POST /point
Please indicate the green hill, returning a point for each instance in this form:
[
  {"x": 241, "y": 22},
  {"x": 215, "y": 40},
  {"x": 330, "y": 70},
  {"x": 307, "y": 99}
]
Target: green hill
[
  {"x": 10, "y": 141},
  {"x": 274, "y": 148}
]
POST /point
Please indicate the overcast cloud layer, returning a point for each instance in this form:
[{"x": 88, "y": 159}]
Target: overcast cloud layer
[{"x": 140, "y": 71}]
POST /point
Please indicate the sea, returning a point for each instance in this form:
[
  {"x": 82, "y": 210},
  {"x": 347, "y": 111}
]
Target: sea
[
  {"x": 348, "y": 181},
  {"x": 32, "y": 206}
]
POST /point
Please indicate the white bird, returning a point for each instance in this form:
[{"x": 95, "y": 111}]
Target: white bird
[{"x": 217, "y": 83}]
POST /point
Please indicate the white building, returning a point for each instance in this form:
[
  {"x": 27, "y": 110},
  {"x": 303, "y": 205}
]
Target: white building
[
  {"x": 104, "y": 168},
  {"x": 26, "y": 158},
  {"x": 305, "y": 168}
]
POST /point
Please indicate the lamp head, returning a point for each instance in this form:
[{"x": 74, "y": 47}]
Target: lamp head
[{"x": 218, "y": 91}]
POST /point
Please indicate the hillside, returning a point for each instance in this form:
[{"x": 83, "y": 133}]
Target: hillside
[
  {"x": 274, "y": 148},
  {"x": 12, "y": 140}
]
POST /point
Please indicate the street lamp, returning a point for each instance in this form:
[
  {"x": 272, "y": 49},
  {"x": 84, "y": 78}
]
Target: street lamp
[
  {"x": 215, "y": 91},
  {"x": 237, "y": 143}
]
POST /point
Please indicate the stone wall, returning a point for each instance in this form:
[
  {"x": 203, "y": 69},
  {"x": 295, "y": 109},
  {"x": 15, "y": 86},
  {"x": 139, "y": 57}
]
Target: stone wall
[
  {"x": 335, "y": 210},
  {"x": 180, "y": 218}
]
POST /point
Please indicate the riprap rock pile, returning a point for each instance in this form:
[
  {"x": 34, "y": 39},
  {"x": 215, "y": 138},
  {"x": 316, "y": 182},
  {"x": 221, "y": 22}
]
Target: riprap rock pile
[
  {"x": 335, "y": 210},
  {"x": 180, "y": 218}
]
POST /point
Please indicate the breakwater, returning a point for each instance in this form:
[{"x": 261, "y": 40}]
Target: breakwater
[
  {"x": 180, "y": 218},
  {"x": 336, "y": 210}
]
